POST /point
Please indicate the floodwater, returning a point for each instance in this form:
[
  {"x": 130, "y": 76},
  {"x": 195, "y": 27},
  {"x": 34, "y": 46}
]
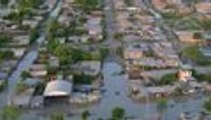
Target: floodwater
[{"x": 116, "y": 95}]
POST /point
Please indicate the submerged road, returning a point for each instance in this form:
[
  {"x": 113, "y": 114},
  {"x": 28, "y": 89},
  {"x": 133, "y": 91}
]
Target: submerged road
[{"x": 30, "y": 56}]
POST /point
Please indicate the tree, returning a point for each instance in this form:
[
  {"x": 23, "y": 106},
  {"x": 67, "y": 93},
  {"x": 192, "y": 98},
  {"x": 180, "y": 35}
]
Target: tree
[
  {"x": 57, "y": 116},
  {"x": 4, "y": 39},
  {"x": 167, "y": 79},
  {"x": 33, "y": 35},
  {"x": 64, "y": 53},
  {"x": 85, "y": 114},
  {"x": 118, "y": 113},
  {"x": 25, "y": 75},
  {"x": 197, "y": 35},
  {"x": 10, "y": 113},
  {"x": 4, "y": 2},
  {"x": 207, "y": 105}
]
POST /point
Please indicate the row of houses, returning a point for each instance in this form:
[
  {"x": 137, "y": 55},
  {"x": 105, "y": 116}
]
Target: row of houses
[{"x": 91, "y": 23}]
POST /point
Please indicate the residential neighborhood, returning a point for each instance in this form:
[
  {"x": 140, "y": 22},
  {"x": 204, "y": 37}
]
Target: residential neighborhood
[{"x": 105, "y": 59}]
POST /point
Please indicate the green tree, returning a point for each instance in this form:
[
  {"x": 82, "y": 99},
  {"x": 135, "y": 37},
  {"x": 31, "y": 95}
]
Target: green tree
[
  {"x": 25, "y": 75},
  {"x": 10, "y": 113},
  {"x": 207, "y": 105},
  {"x": 57, "y": 116},
  {"x": 63, "y": 52},
  {"x": 118, "y": 113},
  {"x": 33, "y": 35},
  {"x": 167, "y": 79},
  {"x": 4, "y": 2},
  {"x": 85, "y": 114},
  {"x": 4, "y": 39}
]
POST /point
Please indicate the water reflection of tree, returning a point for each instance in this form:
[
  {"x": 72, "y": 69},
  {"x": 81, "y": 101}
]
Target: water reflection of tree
[{"x": 162, "y": 105}]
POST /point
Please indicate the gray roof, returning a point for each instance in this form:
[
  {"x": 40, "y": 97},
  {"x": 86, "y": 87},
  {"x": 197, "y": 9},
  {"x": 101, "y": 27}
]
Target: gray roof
[{"x": 58, "y": 88}]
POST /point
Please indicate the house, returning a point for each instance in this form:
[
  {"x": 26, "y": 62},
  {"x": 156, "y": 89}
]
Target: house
[
  {"x": 18, "y": 52},
  {"x": 38, "y": 70},
  {"x": 31, "y": 23},
  {"x": 20, "y": 40},
  {"x": 93, "y": 26},
  {"x": 160, "y": 91},
  {"x": 8, "y": 65},
  {"x": 53, "y": 61},
  {"x": 92, "y": 68},
  {"x": 188, "y": 36},
  {"x": 203, "y": 7},
  {"x": 32, "y": 82},
  {"x": 133, "y": 53}
]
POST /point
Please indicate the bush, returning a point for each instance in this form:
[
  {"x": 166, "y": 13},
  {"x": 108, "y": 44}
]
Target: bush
[
  {"x": 82, "y": 79},
  {"x": 57, "y": 116},
  {"x": 167, "y": 79},
  {"x": 197, "y": 35},
  {"x": 10, "y": 113},
  {"x": 118, "y": 113}
]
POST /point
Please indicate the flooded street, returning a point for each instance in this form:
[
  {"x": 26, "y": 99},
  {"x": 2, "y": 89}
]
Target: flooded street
[{"x": 116, "y": 95}]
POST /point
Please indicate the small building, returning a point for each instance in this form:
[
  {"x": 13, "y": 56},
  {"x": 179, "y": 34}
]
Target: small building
[
  {"x": 187, "y": 36},
  {"x": 57, "y": 91},
  {"x": 160, "y": 91},
  {"x": 92, "y": 68},
  {"x": 203, "y": 7}
]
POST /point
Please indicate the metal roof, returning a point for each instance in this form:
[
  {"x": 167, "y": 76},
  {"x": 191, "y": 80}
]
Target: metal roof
[{"x": 58, "y": 88}]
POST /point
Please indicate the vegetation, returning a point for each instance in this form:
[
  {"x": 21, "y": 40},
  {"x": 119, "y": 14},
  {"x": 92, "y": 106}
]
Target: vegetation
[
  {"x": 6, "y": 55},
  {"x": 162, "y": 104},
  {"x": 39, "y": 89},
  {"x": 25, "y": 75},
  {"x": 88, "y": 3},
  {"x": 4, "y": 2},
  {"x": 128, "y": 2},
  {"x": 10, "y": 113},
  {"x": 202, "y": 77},
  {"x": 167, "y": 79},
  {"x": 85, "y": 114},
  {"x": 104, "y": 53},
  {"x": 21, "y": 87},
  {"x": 207, "y": 105},
  {"x": 118, "y": 36},
  {"x": 33, "y": 35},
  {"x": 82, "y": 79},
  {"x": 171, "y": 16},
  {"x": 4, "y": 39},
  {"x": 57, "y": 116},
  {"x": 3, "y": 84},
  {"x": 206, "y": 24},
  {"x": 197, "y": 35},
  {"x": 118, "y": 113},
  {"x": 193, "y": 53},
  {"x": 24, "y": 9}
]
